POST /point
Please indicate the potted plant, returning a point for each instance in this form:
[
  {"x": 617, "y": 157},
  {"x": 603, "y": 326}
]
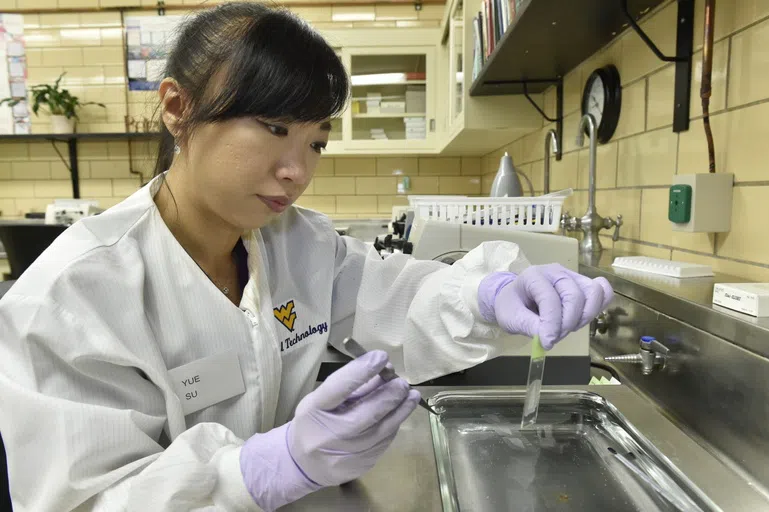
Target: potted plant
[{"x": 60, "y": 103}]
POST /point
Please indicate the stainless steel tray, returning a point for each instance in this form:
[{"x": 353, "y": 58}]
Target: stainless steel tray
[{"x": 582, "y": 456}]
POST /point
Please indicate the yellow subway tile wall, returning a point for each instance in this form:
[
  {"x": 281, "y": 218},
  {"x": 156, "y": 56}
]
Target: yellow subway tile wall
[
  {"x": 636, "y": 167},
  {"x": 88, "y": 46}
]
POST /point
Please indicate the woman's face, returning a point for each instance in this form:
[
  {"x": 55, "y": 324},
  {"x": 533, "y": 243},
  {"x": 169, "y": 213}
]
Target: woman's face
[{"x": 248, "y": 171}]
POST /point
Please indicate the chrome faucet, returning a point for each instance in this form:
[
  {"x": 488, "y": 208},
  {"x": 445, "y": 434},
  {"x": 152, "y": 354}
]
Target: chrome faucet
[
  {"x": 652, "y": 355},
  {"x": 551, "y": 144},
  {"x": 591, "y": 223}
]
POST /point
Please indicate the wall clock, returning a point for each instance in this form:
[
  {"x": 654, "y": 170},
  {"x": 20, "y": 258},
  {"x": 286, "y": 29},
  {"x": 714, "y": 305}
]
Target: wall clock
[{"x": 602, "y": 98}]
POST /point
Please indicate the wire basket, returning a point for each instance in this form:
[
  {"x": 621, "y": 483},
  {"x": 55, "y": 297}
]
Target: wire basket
[{"x": 541, "y": 213}]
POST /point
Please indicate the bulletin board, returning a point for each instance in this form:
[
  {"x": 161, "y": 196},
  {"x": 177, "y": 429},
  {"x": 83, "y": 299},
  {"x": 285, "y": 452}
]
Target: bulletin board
[
  {"x": 148, "y": 42},
  {"x": 13, "y": 75}
]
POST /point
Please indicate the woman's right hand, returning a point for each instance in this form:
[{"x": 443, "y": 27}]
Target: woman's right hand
[{"x": 338, "y": 433}]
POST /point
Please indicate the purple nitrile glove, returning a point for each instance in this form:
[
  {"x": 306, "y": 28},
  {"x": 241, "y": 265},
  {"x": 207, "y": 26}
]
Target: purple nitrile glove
[
  {"x": 337, "y": 434},
  {"x": 546, "y": 300}
]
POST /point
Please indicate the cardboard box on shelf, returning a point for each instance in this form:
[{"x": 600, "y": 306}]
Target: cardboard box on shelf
[{"x": 416, "y": 99}]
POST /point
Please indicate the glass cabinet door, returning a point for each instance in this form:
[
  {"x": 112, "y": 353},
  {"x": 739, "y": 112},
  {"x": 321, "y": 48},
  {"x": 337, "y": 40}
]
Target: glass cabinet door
[
  {"x": 336, "y": 123},
  {"x": 456, "y": 70},
  {"x": 389, "y": 97}
]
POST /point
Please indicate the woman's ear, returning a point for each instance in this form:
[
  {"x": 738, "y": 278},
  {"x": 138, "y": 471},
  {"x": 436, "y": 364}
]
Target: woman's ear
[{"x": 172, "y": 104}]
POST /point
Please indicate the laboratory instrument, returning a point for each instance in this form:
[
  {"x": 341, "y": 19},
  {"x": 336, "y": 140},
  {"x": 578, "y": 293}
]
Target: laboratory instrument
[
  {"x": 388, "y": 374},
  {"x": 69, "y": 211},
  {"x": 448, "y": 243}
]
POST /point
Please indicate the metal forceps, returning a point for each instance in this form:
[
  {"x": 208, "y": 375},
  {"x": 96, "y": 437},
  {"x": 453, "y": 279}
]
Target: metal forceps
[{"x": 387, "y": 374}]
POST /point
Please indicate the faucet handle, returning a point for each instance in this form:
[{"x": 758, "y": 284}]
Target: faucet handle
[
  {"x": 651, "y": 343},
  {"x": 569, "y": 223},
  {"x": 617, "y": 224}
]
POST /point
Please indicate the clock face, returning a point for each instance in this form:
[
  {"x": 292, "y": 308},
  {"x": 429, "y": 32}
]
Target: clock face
[
  {"x": 602, "y": 98},
  {"x": 596, "y": 100}
]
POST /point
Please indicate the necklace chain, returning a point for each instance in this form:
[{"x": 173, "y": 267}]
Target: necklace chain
[{"x": 224, "y": 289}]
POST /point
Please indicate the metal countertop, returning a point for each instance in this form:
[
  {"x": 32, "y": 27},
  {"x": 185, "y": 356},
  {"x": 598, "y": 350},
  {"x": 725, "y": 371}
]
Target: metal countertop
[
  {"x": 689, "y": 300},
  {"x": 405, "y": 478}
]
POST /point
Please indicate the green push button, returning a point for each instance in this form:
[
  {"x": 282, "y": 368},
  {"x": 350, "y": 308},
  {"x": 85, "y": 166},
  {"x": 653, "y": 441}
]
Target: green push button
[{"x": 680, "y": 207}]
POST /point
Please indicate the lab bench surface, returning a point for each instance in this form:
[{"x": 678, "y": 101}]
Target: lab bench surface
[{"x": 405, "y": 478}]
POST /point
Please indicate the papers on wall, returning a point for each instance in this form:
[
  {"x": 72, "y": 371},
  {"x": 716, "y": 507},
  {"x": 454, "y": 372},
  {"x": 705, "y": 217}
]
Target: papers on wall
[
  {"x": 15, "y": 48},
  {"x": 18, "y": 90},
  {"x": 13, "y": 75},
  {"x": 137, "y": 69},
  {"x": 148, "y": 41},
  {"x": 16, "y": 67}
]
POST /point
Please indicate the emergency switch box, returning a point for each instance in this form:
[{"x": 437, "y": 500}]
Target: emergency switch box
[{"x": 701, "y": 203}]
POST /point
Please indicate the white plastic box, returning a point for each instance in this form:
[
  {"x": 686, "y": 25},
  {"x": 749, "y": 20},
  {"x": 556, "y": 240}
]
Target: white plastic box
[{"x": 749, "y": 298}]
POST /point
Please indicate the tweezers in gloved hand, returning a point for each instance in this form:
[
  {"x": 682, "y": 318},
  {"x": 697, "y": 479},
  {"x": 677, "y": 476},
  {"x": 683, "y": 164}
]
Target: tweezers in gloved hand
[{"x": 387, "y": 374}]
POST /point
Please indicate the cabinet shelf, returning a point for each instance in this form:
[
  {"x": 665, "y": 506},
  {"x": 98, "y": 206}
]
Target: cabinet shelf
[
  {"x": 549, "y": 38},
  {"x": 381, "y": 84},
  {"x": 388, "y": 116}
]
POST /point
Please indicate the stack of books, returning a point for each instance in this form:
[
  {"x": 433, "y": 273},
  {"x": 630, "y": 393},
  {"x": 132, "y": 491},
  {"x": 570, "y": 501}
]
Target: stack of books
[{"x": 489, "y": 26}]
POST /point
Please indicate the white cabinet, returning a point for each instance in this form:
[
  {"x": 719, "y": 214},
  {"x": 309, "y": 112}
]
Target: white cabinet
[
  {"x": 393, "y": 102},
  {"x": 411, "y": 92},
  {"x": 392, "y": 109}
]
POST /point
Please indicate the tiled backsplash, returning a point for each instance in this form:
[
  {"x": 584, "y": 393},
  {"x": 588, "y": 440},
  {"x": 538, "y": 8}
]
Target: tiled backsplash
[
  {"x": 636, "y": 167},
  {"x": 365, "y": 187},
  {"x": 88, "y": 46}
]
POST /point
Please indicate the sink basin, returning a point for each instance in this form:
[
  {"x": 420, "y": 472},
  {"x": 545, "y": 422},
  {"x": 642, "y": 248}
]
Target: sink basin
[{"x": 582, "y": 455}]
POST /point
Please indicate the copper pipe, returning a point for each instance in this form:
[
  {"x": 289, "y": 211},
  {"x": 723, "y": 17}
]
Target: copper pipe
[{"x": 707, "y": 72}]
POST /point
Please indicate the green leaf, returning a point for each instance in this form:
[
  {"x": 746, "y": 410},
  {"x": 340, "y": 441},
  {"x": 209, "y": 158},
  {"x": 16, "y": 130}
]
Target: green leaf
[{"x": 57, "y": 101}]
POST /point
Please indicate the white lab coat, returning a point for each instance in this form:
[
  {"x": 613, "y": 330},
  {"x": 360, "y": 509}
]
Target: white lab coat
[{"x": 87, "y": 407}]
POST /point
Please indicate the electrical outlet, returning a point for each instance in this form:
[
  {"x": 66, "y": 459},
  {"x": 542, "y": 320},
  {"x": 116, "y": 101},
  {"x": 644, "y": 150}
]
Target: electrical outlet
[
  {"x": 709, "y": 204},
  {"x": 680, "y": 204}
]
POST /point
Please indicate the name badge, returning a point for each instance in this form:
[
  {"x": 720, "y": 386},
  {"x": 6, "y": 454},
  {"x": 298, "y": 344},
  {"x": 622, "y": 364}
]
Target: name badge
[{"x": 207, "y": 381}]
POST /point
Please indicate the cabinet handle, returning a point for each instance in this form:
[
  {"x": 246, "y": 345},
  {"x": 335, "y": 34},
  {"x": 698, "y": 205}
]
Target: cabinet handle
[{"x": 432, "y": 125}]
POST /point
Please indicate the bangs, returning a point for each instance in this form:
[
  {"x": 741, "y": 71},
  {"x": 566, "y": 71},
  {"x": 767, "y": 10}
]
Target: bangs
[{"x": 279, "y": 68}]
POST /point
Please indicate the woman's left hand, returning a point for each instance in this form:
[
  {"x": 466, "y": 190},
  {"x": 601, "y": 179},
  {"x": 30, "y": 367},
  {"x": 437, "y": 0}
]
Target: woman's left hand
[{"x": 546, "y": 300}]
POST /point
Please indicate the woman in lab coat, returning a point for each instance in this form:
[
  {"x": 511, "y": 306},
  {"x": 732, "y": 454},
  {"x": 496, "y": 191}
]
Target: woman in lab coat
[{"x": 162, "y": 355}]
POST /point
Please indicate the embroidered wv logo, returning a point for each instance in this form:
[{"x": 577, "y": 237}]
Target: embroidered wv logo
[{"x": 286, "y": 315}]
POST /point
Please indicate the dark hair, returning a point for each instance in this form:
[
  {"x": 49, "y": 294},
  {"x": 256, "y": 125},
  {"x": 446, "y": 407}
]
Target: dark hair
[{"x": 264, "y": 62}]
